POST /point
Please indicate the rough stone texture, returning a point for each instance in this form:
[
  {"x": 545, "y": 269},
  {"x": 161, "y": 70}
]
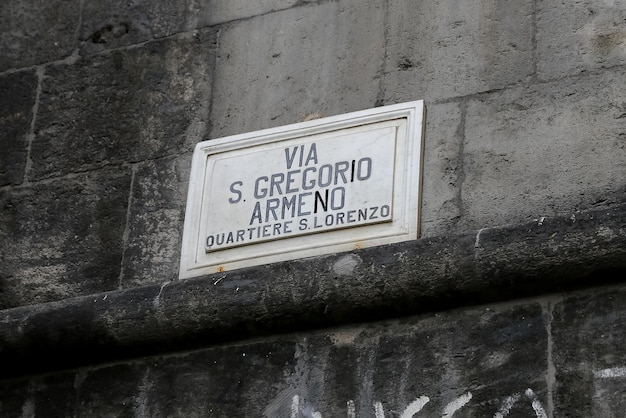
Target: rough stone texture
[
  {"x": 132, "y": 100},
  {"x": 46, "y": 396},
  {"x": 156, "y": 218},
  {"x": 500, "y": 252},
  {"x": 588, "y": 332},
  {"x": 331, "y": 372},
  {"x": 68, "y": 246},
  {"x": 376, "y": 283},
  {"x": 527, "y": 158},
  {"x": 443, "y": 170},
  {"x": 17, "y": 97},
  {"x": 445, "y": 48},
  {"x": 525, "y": 128},
  {"x": 212, "y": 12},
  {"x": 436, "y": 358},
  {"x": 127, "y": 105},
  {"x": 222, "y": 382},
  {"x": 107, "y": 24},
  {"x": 301, "y": 61},
  {"x": 37, "y": 31},
  {"x": 573, "y": 37}
]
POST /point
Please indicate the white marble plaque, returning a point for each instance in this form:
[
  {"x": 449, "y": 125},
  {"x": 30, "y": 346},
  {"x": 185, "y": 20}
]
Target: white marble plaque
[{"x": 318, "y": 187}]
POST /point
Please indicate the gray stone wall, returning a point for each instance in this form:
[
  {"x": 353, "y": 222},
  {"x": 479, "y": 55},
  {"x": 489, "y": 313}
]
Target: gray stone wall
[
  {"x": 553, "y": 356},
  {"x": 101, "y": 104}
]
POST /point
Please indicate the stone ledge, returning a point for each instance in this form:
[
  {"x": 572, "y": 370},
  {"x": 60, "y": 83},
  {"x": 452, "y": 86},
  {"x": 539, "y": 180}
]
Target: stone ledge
[{"x": 493, "y": 264}]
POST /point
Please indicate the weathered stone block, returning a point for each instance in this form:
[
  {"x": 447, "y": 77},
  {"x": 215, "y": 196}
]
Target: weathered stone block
[
  {"x": 298, "y": 62},
  {"x": 429, "y": 364},
  {"x": 36, "y": 31},
  {"x": 543, "y": 247},
  {"x": 576, "y": 36},
  {"x": 156, "y": 219},
  {"x": 442, "y": 169},
  {"x": 52, "y": 396},
  {"x": 17, "y": 97},
  {"x": 231, "y": 381},
  {"x": 510, "y": 360},
  {"x": 127, "y": 105},
  {"x": 408, "y": 278},
  {"x": 386, "y": 366},
  {"x": 102, "y": 393},
  {"x": 107, "y": 24},
  {"x": 62, "y": 239},
  {"x": 527, "y": 158},
  {"x": 218, "y": 11},
  {"x": 588, "y": 332},
  {"x": 441, "y": 49}
]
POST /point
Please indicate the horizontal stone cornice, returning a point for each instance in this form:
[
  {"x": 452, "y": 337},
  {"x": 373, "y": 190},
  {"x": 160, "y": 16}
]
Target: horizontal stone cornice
[{"x": 493, "y": 264}]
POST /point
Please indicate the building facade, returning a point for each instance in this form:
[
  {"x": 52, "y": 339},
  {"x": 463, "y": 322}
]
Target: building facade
[{"x": 511, "y": 303}]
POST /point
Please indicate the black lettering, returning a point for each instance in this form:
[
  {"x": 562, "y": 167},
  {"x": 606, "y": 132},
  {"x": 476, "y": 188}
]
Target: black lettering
[
  {"x": 362, "y": 215},
  {"x": 286, "y": 229},
  {"x": 351, "y": 216},
  {"x": 385, "y": 211},
  {"x": 276, "y": 229},
  {"x": 230, "y": 238},
  {"x": 266, "y": 232},
  {"x": 210, "y": 240},
  {"x": 339, "y": 217},
  {"x": 217, "y": 239},
  {"x": 323, "y": 202},
  {"x": 315, "y": 224},
  {"x": 329, "y": 219},
  {"x": 303, "y": 225},
  {"x": 352, "y": 172},
  {"x": 240, "y": 233}
]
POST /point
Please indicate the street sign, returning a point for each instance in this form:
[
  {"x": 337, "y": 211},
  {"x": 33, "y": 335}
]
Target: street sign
[{"x": 318, "y": 187}]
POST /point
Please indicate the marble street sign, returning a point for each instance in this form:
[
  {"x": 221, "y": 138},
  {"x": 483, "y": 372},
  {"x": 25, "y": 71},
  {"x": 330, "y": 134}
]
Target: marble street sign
[{"x": 312, "y": 188}]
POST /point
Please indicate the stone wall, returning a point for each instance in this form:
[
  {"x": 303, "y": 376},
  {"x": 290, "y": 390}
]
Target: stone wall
[{"x": 101, "y": 104}]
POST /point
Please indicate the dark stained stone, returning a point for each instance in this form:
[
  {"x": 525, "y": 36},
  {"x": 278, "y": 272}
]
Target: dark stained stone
[
  {"x": 124, "y": 106},
  {"x": 35, "y": 31},
  {"x": 62, "y": 239},
  {"x": 17, "y": 97}
]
